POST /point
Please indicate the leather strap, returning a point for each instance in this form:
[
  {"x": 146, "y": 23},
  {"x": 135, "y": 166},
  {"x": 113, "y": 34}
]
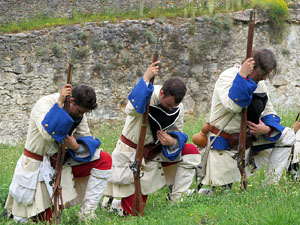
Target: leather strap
[
  {"x": 127, "y": 142},
  {"x": 215, "y": 130},
  {"x": 33, "y": 155}
]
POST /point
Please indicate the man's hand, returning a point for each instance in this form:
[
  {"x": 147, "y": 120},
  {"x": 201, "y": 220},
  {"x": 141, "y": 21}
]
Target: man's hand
[
  {"x": 64, "y": 92},
  {"x": 165, "y": 139},
  {"x": 151, "y": 71},
  {"x": 247, "y": 67},
  {"x": 71, "y": 143},
  {"x": 258, "y": 129}
]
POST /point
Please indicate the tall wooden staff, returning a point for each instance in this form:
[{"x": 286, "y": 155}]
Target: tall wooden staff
[
  {"x": 57, "y": 190},
  {"x": 243, "y": 130},
  {"x": 138, "y": 204}
]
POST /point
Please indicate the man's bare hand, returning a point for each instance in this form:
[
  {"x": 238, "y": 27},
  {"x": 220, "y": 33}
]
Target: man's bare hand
[
  {"x": 165, "y": 139},
  {"x": 247, "y": 67},
  {"x": 71, "y": 143},
  {"x": 64, "y": 92},
  {"x": 258, "y": 129},
  {"x": 151, "y": 71}
]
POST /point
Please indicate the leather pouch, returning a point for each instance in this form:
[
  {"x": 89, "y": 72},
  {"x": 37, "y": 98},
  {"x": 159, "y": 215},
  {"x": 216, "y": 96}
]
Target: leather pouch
[
  {"x": 233, "y": 140},
  {"x": 151, "y": 150}
]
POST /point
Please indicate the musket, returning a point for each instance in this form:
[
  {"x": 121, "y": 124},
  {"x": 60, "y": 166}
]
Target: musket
[
  {"x": 138, "y": 204},
  {"x": 57, "y": 189},
  {"x": 241, "y": 162}
]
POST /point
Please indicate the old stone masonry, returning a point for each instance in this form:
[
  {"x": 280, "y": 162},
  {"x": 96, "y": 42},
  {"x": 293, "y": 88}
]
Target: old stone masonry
[{"x": 112, "y": 56}]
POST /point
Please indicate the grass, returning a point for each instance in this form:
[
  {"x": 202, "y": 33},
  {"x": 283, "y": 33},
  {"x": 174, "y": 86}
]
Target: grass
[
  {"x": 112, "y": 14},
  {"x": 275, "y": 204}
]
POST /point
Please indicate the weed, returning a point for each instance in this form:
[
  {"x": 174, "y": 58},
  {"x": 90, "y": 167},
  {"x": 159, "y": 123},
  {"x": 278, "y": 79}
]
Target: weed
[
  {"x": 41, "y": 51},
  {"x": 98, "y": 45},
  {"x": 149, "y": 36},
  {"x": 57, "y": 50},
  {"x": 84, "y": 36},
  {"x": 192, "y": 29},
  {"x": 134, "y": 34},
  {"x": 81, "y": 52},
  {"x": 117, "y": 45},
  {"x": 127, "y": 60}
]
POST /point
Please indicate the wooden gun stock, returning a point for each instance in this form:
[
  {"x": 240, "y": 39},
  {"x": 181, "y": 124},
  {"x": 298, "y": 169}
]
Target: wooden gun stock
[
  {"x": 138, "y": 204},
  {"x": 241, "y": 163},
  {"x": 57, "y": 190},
  {"x": 69, "y": 78}
]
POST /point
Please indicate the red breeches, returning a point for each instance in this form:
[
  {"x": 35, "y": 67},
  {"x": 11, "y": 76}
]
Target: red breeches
[{"x": 83, "y": 170}]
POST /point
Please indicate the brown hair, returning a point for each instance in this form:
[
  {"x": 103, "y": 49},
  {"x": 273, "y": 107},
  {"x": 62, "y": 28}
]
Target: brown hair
[
  {"x": 174, "y": 87},
  {"x": 264, "y": 60},
  {"x": 85, "y": 96}
]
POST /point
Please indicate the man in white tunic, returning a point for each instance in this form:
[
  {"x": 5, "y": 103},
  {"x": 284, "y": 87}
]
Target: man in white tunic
[
  {"x": 50, "y": 123},
  {"x": 176, "y": 160},
  {"x": 237, "y": 88}
]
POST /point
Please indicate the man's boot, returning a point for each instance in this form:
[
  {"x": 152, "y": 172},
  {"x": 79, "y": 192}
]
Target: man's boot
[{"x": 94, "y": 189}]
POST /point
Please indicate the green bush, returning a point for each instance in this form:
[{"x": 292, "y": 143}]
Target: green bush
[
  {"x": 278, "y": 15},
  {"x": 83, "y": 36},
  {"x": 57, "y": 50},
  {"x": 41, "y": 51},
  {"x": 81, "y": 52},
  {"x": 98, "y": 45}
]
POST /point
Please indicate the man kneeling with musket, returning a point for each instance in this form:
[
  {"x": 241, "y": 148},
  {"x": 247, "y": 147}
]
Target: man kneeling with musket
[{"x": 51, "y": 125}]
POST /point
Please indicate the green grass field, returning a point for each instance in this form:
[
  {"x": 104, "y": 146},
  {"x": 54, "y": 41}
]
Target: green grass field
[{"x": 275, "y": 204}]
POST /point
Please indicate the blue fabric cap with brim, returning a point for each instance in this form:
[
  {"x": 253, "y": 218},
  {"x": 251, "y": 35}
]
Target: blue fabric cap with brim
[
  {"x": 181, "y": 138},
  {"x": 57, "y": 122},
  {"x": 92, "y": 143},
  {"x": 242, "y": 90},
  {"x": 140, "y": 95},
  {"x": 273, "y": 121}
]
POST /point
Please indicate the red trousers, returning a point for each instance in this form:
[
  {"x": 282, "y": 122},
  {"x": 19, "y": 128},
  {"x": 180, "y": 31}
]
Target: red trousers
[
  {"x": 82, "y": 170},
  {"x": 127, "y": 202}
]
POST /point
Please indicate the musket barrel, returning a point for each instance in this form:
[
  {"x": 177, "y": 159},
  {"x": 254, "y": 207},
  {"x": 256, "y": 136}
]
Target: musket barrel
[
  {"x": 243, "y": 129},
  {"x": 138, "y": 204}
]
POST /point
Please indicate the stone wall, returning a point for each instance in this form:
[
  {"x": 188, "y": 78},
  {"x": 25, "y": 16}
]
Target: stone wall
[
  {"x": 112, "y": 57},
  {"x": 14, "y": 10}
]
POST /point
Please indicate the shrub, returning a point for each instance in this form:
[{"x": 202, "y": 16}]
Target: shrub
[
  {"x": 278, "y": 14},
  {"x": 81, "y": 53},
  {"x": 57, "y": 50},
  {"x": 117, "y": 45},
  {"x": 42, "y": 51},
  {"x": 98, "y": 45},
  {"x": 83, "y": 36},
  {"x": 149, "y": 36}
]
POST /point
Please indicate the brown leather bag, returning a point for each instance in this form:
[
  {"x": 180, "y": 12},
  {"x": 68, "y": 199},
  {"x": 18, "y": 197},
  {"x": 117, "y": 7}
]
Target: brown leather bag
[
  {"x": 233, "y": 140},
  {"x": 151, "y": 150}
]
